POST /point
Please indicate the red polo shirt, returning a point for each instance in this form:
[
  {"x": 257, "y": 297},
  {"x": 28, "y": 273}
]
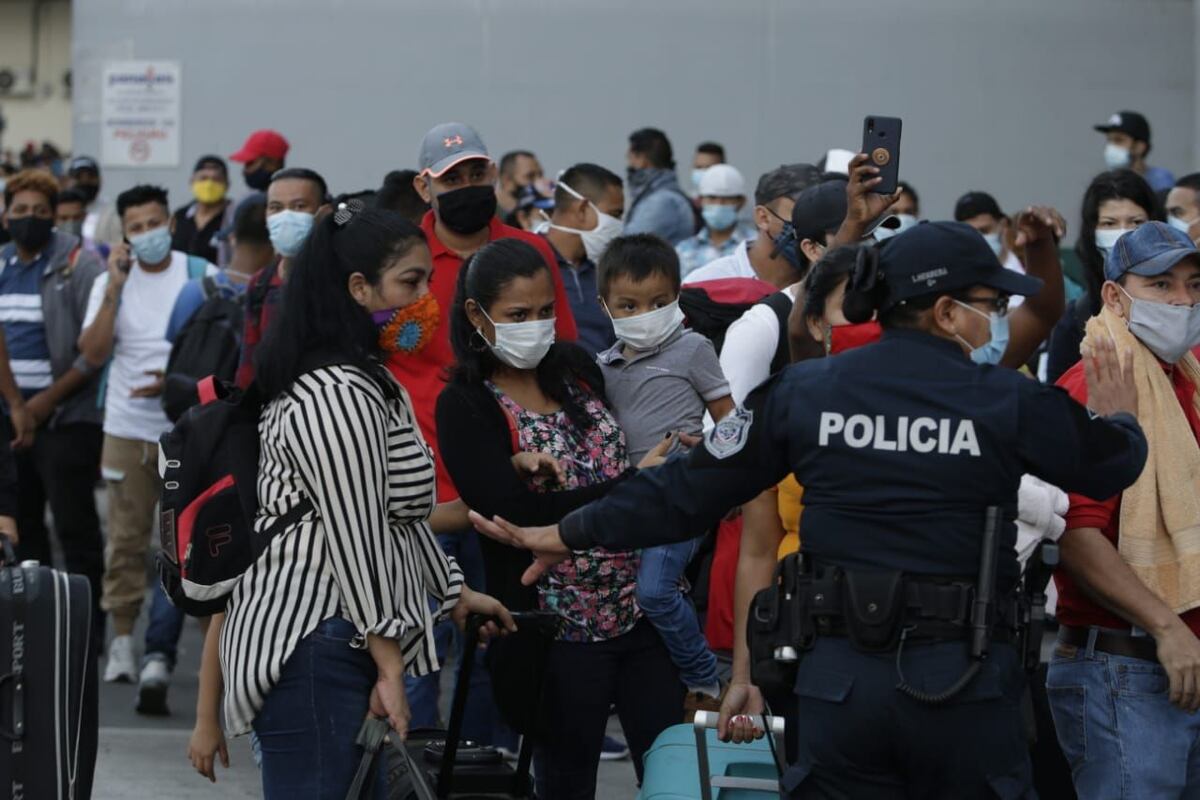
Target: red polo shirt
[
  {"x": 423, "y": 374},
  {"x": 1075, "y": 607}
]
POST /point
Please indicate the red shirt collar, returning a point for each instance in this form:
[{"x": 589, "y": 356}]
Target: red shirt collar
[{"x": 437, "y": 248}]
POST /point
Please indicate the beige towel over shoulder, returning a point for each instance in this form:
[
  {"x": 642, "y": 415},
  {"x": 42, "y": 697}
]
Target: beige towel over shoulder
[{"x": 1160, "y": 513}]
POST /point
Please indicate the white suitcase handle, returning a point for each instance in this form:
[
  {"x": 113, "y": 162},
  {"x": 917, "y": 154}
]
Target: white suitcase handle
[{"x": 705, "y": 720}]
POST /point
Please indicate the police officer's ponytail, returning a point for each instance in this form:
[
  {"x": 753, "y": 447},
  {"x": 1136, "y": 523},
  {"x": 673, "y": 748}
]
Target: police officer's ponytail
[{"x": 867, "y": 289}]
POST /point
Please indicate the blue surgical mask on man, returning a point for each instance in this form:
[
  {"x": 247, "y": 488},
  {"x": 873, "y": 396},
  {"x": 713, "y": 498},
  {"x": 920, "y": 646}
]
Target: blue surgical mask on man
[
  {"x": 152, "y": 247},
  {"x": 718, "y": 216},
  {"x": 288, "y": 231}
]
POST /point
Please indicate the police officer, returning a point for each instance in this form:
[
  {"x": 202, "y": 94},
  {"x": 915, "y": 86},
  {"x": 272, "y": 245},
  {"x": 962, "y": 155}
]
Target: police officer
[{"x": 901, "y": 447}]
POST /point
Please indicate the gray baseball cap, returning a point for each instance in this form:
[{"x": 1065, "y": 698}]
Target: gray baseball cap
[{"x": 448, "y": 144}]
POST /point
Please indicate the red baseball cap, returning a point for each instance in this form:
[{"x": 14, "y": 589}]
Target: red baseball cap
[{"x": 264, "y": 143}]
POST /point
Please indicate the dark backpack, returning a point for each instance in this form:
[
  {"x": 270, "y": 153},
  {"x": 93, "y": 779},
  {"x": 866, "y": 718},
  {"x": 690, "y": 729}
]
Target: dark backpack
[
  {"x": 209, "y": 344},
  {"x": 712, "y": 306},
  {"x": 209, "y": 463}
]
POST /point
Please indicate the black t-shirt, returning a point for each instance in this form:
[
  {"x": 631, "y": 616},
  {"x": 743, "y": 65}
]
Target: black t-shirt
[{"x": 196, "y": 241}]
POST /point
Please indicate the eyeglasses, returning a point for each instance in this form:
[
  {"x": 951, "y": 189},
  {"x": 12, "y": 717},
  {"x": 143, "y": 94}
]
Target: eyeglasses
[{"x": 999, "y": 303}]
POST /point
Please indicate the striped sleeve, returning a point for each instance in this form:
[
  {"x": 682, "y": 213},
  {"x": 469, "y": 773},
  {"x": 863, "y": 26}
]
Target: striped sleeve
[{"x": 338, "y": 436}]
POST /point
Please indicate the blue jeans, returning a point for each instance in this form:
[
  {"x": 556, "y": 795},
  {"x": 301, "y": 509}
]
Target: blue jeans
[
  {"x": 481, "y": 720},
  {"x": 1117, "y": 728},
  {"x": 166, "y": 624},
  {"x": 660, "y": 597},
  {"x": 307, "y": 726}
]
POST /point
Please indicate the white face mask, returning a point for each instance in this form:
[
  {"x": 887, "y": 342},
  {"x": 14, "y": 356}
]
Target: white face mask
[
  {"x": 1107, "y": 239},
  {"x": 1180, "y": 224},
  {"x": 521, "y": 345},
  {"x": 595, "y": 241},
  {"x": 648, "y": 331},
  {"x": 994, "y": 241},
  {"x": 1168, "y": 331},
  {"x": 1116, "y": 157}
]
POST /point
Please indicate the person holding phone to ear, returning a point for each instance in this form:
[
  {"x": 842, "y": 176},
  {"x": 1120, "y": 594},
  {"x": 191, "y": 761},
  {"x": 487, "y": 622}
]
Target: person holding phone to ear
[{"x": 125, "y": 328}]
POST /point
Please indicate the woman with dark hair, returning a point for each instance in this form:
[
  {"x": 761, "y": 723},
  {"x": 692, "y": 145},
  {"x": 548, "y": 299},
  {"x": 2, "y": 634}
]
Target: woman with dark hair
[
  {"x": 1115, "y": 202},
  {"x": 515, "y": 389},
  {"x": 322, "y": 627},
  {"x": 911, "y": 456}
]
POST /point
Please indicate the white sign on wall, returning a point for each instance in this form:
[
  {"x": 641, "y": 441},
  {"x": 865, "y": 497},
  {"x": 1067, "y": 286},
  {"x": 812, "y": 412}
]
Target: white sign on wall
[{"x": 139, "y": 114}]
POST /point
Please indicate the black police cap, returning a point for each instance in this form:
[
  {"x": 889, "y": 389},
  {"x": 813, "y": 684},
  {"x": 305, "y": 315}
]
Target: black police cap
[{"x": 938, "y": 257}]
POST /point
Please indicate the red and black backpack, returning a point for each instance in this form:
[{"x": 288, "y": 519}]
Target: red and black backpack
[{"x": 209, "y": 467}]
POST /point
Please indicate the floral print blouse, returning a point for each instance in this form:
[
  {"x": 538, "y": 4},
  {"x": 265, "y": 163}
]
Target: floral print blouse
[{"x": 593, "y": 592}]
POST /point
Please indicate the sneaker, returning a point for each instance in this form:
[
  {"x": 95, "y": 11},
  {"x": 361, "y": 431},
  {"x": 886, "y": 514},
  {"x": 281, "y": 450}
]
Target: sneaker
[
  {"x": 613, "y": 749},
  {"x": 120, "y": 667},
  {"x": 152, "y": 688}
]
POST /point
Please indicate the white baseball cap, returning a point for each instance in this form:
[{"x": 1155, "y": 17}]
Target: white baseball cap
[{"x": 722, "y": 180}]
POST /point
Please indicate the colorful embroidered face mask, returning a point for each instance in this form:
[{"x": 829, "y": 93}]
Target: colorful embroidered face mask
[{"x": 409, "y": 329}]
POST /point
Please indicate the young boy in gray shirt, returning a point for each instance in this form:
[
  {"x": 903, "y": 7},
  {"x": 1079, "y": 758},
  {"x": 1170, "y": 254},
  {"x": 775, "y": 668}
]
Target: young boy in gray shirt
[{"x": 660, "y": 379}]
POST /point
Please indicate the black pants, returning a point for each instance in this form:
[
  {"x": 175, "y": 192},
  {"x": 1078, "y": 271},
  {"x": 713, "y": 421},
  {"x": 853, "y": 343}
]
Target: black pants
[
  {"x": 61, "y": 469},
  {"x": 860, "y": 737},
  {"x": 583, "y": 681}
]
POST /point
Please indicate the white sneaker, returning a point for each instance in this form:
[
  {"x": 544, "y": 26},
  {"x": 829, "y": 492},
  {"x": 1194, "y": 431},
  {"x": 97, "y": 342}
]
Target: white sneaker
[
  {"x": 152, "y": 688},
  {"x": 120, "y": 667}
]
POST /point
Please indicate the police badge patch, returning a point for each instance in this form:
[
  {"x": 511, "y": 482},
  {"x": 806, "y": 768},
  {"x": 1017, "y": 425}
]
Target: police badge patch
[{"x": 729, "y": 435}]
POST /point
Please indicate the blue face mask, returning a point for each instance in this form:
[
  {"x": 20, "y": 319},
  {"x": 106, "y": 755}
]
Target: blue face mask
[
  {"x": 719, "y": 217},
  {"x": 697, "y": 176},
  {"x": 288, "y": 231},
  {"x": 991, "y": 351},
  {"x": 152, "y": 247}
]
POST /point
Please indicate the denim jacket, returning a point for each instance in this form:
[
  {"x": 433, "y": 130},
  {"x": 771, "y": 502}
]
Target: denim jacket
[{"x": 659, "y": 206}]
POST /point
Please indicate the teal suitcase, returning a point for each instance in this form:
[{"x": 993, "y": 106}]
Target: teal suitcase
[{"x": 687, "y": 762}]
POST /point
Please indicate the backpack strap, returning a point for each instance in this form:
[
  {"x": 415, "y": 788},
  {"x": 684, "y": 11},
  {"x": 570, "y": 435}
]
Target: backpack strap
[
  {"x": 209, "y": 287},
  {"x": 197, "y": 268},
  {"x": 782, "y": 305},
  {"x": 256, "y": 297}
]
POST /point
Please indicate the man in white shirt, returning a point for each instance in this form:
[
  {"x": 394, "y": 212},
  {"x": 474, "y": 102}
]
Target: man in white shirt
[
  {"x": 773, "y": 256},
  {"x": 125, "y": 326}
]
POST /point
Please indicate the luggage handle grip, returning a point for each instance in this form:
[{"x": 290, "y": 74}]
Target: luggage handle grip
[{"x": 708, "y": 719}]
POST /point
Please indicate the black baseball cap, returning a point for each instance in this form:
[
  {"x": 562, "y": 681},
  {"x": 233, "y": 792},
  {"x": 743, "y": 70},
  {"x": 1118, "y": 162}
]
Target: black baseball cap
[
  {"x": 1128, "y": 122},
  {"x": 819, "y": 209},
  {"x": 972, "y": 204},
  {"x": 939, "y": 257},
  {"x": 83, "y": 164}
]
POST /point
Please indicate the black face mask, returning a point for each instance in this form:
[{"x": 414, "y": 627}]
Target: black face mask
[
  {"x": 467, "y": 210},
  {"x": 89, "y": 191},
  {"x": 258, "y": 179},
  {"x": 31, "y": 233}
]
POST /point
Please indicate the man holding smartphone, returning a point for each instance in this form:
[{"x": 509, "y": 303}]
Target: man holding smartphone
[{"x": 125, "y": 326}]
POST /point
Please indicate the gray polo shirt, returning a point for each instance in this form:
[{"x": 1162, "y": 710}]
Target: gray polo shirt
[{"x": 662, "y": 390}]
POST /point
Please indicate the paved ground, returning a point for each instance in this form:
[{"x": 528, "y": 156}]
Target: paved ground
[{"x": 146, "y": 757}]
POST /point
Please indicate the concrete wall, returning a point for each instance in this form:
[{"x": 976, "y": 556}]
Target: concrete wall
[
  {"x": 995, "y": 96},
  {"x": 47, "y": 113}
]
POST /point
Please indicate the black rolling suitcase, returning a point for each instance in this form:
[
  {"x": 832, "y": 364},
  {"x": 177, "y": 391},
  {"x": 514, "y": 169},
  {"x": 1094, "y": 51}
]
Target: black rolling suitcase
[
  {"x": 438, "y": 764},
  {"x": 48, "y": 697}
]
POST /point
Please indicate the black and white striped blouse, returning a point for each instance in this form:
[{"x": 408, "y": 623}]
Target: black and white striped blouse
[{"x": 365, "y": 552}]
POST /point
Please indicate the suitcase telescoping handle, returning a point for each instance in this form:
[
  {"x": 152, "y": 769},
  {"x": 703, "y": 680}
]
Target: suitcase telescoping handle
[{"x": 705, "y": 720}]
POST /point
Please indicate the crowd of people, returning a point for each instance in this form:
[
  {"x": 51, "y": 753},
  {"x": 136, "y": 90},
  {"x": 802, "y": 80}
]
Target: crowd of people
[{"x": 475, "y": 360}]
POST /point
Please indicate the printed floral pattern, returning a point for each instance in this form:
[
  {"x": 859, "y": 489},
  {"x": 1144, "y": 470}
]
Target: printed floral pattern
[{"x": 595, "y": 592}]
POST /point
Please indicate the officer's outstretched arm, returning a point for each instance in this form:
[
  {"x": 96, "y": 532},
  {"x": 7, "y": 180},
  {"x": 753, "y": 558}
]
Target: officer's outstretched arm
[
  {"x": 1062, "y": 443},
  {"x": 742, "y": 455}
]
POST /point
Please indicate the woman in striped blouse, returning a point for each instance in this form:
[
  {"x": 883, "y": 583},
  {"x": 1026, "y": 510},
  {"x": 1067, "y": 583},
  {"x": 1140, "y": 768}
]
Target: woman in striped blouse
[{"x": 322, "y": 627}]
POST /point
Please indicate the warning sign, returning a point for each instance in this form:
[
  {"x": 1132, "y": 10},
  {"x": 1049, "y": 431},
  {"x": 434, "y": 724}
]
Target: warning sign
[{"x": 139, "y": 116}]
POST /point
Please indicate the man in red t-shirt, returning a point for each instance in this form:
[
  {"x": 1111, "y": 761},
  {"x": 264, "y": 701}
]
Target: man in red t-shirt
[
  {"x": 1125, "y": 677},
  {"x": 457, "y": 177}
]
